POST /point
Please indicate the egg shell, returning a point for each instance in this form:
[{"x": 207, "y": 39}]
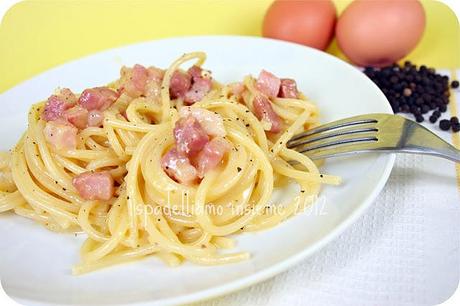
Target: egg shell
[
  {"x": 380, "y": 32},
  {"x": 307, "y": 22}
]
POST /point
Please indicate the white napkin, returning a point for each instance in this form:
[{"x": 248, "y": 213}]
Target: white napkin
[{"x": 405, "y": 250}]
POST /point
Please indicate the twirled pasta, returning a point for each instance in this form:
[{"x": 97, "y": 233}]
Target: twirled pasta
[{"x": 150, "y": 213}]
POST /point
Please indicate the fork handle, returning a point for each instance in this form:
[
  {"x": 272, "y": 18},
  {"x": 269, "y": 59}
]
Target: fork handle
[{"x": 419, "y": 139}]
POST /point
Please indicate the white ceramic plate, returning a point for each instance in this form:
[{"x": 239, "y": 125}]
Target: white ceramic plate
[{"x": 35, "y": 264}]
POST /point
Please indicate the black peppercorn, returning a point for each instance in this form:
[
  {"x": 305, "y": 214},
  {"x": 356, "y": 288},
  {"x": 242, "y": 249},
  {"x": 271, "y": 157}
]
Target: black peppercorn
[
  {"x": 412, "y": 89},
  {"x": 454, "y": 84},
  {"x": 407, "y": 92},
  {"x": 456, "y": 127},
  {"x": 419, "y": 118},
  {"x": 454, "y": 120},
  {"x": 444, "y": 124}
]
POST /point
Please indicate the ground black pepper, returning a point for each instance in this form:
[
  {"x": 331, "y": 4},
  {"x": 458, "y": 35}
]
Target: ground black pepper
[{"x": 414, "y": 90}]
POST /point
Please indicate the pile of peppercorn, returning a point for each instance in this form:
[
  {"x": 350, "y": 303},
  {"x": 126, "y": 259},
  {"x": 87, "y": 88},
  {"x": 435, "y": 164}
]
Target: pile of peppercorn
[{"x": 415, "y": 90}]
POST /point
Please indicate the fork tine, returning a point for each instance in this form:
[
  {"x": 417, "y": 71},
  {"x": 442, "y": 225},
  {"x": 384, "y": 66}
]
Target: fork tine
[
  {"x": 337, "y": 141},
  {"x": 340, "y": 132},
  {"x": 357, "y": 120},
  {"x": 343, "y": 150}
]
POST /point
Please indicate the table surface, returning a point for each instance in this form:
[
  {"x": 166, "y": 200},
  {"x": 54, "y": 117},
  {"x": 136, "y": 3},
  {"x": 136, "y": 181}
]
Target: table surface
[{"x": 401, "y": 252}]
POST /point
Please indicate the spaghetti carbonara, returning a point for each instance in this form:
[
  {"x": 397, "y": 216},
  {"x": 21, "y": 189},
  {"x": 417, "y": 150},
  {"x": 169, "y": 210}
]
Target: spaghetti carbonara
[{"x": 162, "y": 162}]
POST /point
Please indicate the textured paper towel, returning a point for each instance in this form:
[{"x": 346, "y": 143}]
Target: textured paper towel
[{"x": 405, "y": 250}]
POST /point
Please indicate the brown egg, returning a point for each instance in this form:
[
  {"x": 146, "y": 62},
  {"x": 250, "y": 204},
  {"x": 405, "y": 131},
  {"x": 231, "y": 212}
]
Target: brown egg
[
  {"x": 307, "y": 22},
  {"x": 380, "y": 32}
]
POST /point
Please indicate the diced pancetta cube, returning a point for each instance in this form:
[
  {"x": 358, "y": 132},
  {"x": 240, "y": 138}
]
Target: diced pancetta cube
[
  {"x": 268, "y": 84},
  {"x": 179, "y": 85},
  {"x": 95, "y": 118},
  {"x": 265, "y": 113},
  {"x": 61, "y": 134},
  {"x": 199, "y": 89},
  {"x": 288, "y": 89},
  {"x": 58, "y": 103},
  {"x": 190, "y": 136},
  {"x": 178, "y": 167},
  {"x": 198, "y": 72},
  {"x": 211, "y": 155},
  {"x": 140, "y": 81},
  {"x": 139, "y": 78},
  {"x": 94, "y": 185},
  {"x": 195, "y": 72},
  {"x": 78, "y": 116},
  {"x": 153, "y": 85},
  {"x": 99, "y": 98},
  {"x": 133, "y": 80},
  {"x": 211, "y": 122},
  {"x": 155, "y": 74}
]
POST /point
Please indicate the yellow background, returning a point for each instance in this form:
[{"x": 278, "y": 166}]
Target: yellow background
[{"x": 36, "y": 35}]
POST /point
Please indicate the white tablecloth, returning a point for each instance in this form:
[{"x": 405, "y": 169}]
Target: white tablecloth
[{"x": 405, "y": 250}]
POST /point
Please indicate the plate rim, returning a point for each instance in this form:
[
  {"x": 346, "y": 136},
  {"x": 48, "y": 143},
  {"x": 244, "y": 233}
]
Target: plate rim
[{"x": 282, "y": 265}]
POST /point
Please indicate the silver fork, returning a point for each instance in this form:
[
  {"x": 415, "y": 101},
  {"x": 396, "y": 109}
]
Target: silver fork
[{"x": 371, "y": 133}]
